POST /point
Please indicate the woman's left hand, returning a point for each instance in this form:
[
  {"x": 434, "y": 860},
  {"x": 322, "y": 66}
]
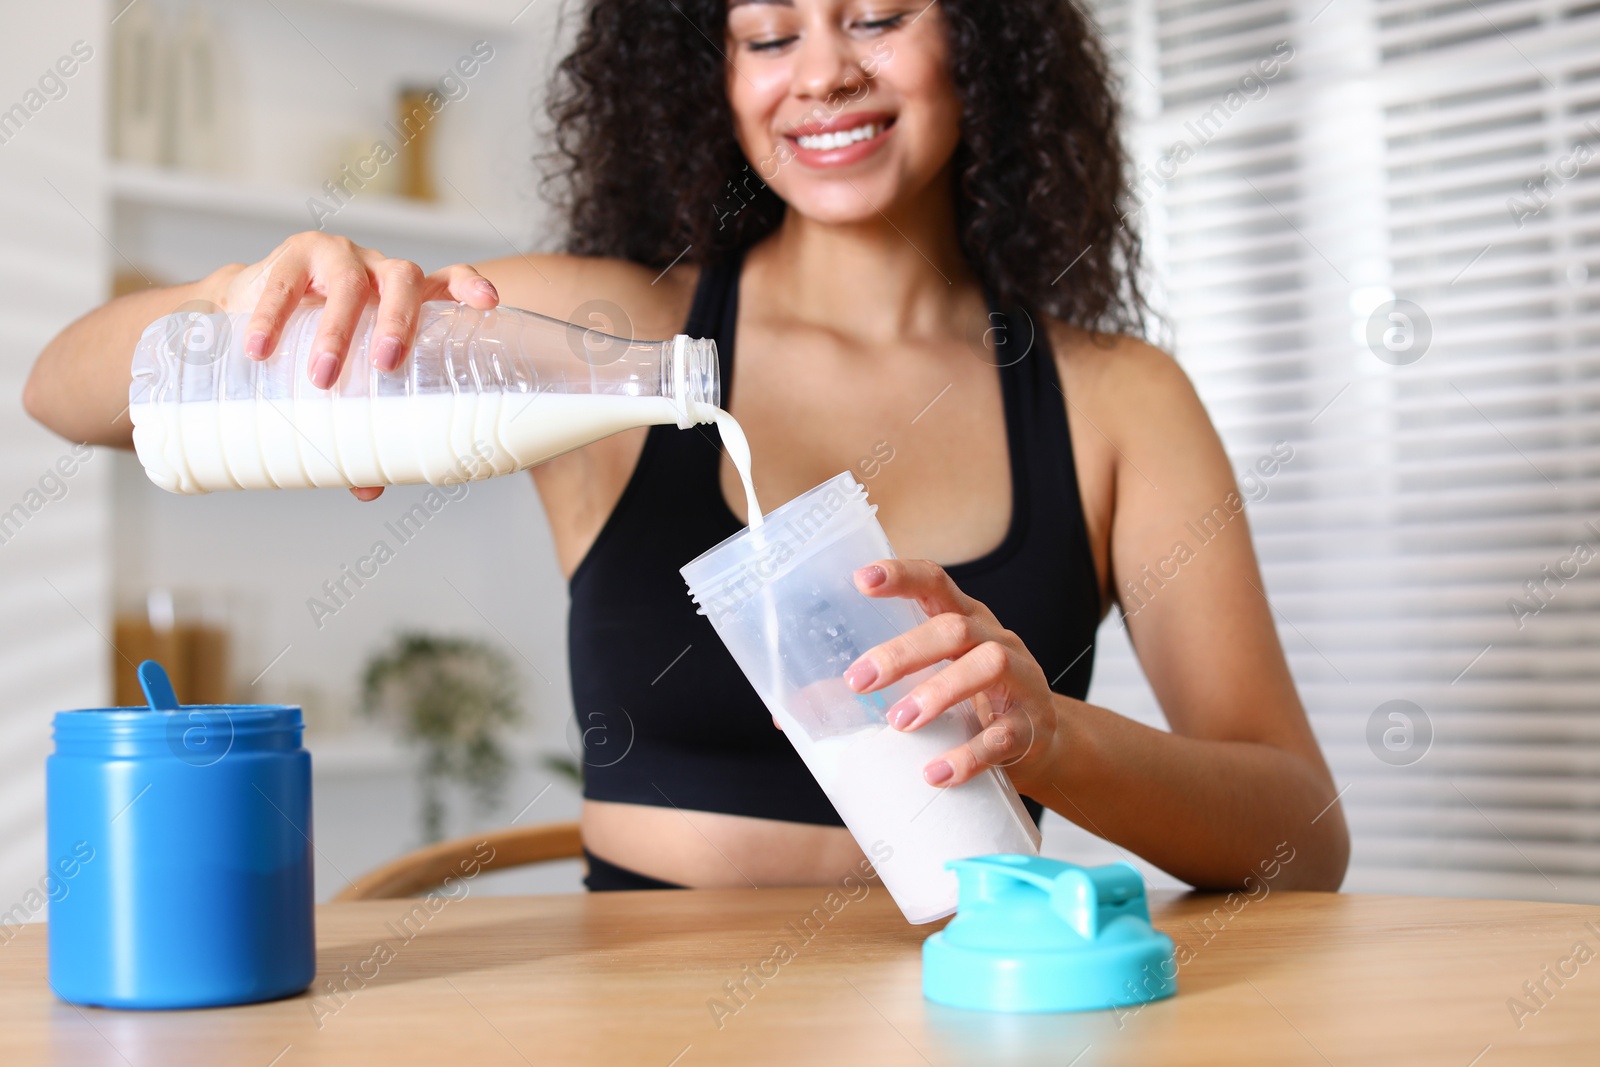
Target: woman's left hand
[{"x": 988, "y": 664}]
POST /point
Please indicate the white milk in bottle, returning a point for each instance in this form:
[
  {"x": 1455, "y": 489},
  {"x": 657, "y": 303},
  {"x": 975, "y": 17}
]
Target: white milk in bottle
[{"x": 482, "y": 393}]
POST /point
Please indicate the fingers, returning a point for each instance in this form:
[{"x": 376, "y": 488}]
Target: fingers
[
  {"x": 347, "y": 277},
  {"x": 462, "y": 283},
  {"x": 400, "y": 284},
  {"x": 942, "y": 637},
  {"x": 914, "y": 579},
  {"x": 343, "y": 278},
  {"x": 988, "y": 666},
  {"x": 366, "y": 492},
  {"x": 1005, "y": 741},
  {"x": 285, "y": 284}
]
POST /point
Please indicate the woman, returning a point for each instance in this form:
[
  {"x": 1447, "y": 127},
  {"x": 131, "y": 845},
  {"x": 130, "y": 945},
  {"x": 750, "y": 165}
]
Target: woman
[{"x": 901, "y": 219}]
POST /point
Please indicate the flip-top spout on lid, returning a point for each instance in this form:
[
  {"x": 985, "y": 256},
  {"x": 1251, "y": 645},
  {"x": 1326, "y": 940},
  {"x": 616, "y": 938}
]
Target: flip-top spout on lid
[{"x": 1033, "y": 935}]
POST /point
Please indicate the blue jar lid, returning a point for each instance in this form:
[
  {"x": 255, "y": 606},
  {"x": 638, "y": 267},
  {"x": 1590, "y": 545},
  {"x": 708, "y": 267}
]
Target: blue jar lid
[
  {"x": 197, "y": 734},
  {"x": 1035, "y": 935}
]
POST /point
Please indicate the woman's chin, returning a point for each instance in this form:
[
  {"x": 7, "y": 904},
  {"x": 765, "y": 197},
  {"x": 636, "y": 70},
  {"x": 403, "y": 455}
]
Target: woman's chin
[{"x": 842, "y": 203}]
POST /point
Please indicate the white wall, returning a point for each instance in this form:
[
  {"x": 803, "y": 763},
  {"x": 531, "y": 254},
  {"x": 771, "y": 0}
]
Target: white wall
[{"x": 54, "y": 569}]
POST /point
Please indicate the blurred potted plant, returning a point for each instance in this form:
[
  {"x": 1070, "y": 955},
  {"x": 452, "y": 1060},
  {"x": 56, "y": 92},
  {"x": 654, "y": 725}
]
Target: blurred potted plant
[
  {"x": 563, "y": 767},
  {"x": 453, "y": 698}
]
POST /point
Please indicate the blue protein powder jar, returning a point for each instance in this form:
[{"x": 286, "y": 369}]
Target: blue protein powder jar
[{"x": 179, "y": 856}]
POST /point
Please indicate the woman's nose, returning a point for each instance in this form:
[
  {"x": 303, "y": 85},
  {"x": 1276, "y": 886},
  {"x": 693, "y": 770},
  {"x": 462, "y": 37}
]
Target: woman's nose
[{"x": 826, "y": 66}]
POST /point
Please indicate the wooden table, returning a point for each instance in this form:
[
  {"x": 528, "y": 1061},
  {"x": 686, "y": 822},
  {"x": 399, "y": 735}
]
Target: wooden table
[{"x": 643, "y": 978}]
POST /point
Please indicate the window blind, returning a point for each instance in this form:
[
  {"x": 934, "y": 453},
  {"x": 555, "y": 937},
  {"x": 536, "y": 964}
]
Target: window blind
[{"x": 1383, "y": 252}]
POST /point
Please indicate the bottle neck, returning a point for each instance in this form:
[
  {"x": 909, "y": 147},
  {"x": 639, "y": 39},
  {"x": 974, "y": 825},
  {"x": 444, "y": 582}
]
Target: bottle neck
[{"x": 690, "y": 378}]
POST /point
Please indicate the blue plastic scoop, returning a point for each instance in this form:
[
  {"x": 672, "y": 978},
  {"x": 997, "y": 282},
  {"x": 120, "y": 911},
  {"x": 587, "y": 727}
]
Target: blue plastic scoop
[{"x": 157, "y": 687}]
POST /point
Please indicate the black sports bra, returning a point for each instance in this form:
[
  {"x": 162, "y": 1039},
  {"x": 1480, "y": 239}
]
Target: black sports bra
[{"x": 664, "y": 715}]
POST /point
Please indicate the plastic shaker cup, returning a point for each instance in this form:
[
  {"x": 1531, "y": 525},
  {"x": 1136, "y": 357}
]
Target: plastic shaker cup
[{"x": 782, "y": 599}]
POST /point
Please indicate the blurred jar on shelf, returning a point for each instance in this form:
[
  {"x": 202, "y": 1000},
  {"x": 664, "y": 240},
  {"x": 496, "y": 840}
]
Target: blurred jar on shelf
[
  {"x": 190, "y": 632},
  {"x": 174, "y": 102},
  {"x": 417, "y": 107}
]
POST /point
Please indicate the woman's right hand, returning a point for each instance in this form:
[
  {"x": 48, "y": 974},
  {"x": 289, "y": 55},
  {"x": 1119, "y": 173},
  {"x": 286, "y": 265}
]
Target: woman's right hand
[{"x": 315, "y": 267}]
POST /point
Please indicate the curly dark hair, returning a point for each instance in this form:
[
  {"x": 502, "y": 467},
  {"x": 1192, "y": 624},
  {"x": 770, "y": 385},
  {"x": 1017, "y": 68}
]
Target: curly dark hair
[{"x": 1039, "y": 171}]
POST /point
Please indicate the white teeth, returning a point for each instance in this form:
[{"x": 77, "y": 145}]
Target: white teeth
[{"x": 822, "y": 142}]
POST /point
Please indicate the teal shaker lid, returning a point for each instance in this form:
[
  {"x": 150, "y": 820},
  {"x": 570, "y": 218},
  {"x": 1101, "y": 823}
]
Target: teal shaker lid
[{"x": 1034, "y": 934}]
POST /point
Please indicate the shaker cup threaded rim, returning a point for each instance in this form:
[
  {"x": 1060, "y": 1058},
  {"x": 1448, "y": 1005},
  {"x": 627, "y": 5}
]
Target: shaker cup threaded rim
[{"x": 724, "y": 577}]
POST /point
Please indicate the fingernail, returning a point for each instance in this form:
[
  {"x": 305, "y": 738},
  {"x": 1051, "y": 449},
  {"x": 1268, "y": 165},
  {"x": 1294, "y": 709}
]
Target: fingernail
[
  {"x": 938, "y": 772},
  {"x": 861, "y": 675},
  {"x": 386, "y": 353},
  {"x": 872, "y": 576},
  {"x": 255, "y": 346},
  {"x": 487, "y": 289},
  {"x": 903, "y": 713},
  {"x": 323, "y": 370}
]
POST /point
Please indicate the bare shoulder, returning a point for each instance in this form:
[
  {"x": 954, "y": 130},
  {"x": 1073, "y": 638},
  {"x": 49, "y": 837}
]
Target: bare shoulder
[
  {"x": 615, "y": 295},
  {"x": 1135, "y": 393},
  {"x": 1114, "y": 370},
  {"x": 1146, "y": 452}
]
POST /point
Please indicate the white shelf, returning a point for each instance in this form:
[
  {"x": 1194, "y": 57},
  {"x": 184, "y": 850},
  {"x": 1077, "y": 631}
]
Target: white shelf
[
  {"x": 494, "y": 16},
  {"x": 151, "y": 187}
]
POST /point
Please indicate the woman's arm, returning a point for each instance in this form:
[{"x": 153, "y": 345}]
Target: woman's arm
[
  {"x": 1241, "y": 773},
  {"x": 79, "y": 384},
  {"x": 1241, "y": 770}
]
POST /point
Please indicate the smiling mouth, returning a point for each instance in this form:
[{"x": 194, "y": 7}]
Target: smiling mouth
[{"x": 824, "y": 142}]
